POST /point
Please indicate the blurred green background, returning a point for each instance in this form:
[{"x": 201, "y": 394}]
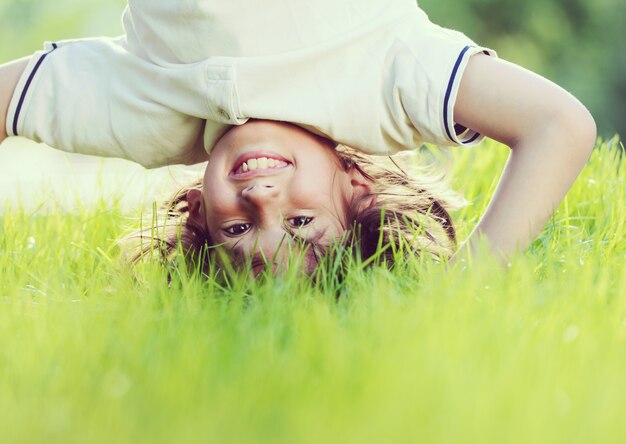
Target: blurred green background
[{"x": 577, "y": 43}]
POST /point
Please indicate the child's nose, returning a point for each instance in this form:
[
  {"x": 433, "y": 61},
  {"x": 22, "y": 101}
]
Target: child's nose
[{"x": 260, "y": 193}]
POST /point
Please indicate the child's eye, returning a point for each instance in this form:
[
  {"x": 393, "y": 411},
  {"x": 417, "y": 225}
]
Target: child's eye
[
  {"x": 300, "y": 221},
  {"x": 237, "y": 229}
]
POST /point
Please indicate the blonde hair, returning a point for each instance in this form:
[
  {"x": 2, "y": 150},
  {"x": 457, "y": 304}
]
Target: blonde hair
[{"x": 408, "y": 213}]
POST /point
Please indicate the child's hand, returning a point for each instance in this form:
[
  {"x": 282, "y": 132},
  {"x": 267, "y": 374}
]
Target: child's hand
[{"x": 551, "y": 135}]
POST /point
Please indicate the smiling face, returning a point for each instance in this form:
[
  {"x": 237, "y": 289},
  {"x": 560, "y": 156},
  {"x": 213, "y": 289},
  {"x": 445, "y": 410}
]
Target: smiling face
[{"x": 267, "y": 183}]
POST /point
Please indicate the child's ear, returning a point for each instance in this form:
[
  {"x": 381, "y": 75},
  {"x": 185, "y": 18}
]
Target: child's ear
[
  {"x": 361, "y": 189},
  {"x": 196, "y": 207}
]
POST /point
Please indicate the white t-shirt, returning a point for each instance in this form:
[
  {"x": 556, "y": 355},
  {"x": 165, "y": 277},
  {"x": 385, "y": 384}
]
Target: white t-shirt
[{"x": 376, "y": 75}]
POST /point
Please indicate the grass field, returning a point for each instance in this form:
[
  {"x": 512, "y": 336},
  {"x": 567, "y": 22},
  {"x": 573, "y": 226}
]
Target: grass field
[{"x": 92, "y": 351}]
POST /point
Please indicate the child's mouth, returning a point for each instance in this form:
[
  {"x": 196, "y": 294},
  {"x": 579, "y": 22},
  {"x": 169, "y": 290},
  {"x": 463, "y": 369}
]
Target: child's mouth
[{"x": 252, "y": 164}]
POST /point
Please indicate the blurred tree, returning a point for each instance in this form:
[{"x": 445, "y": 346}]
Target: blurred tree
[
  {"x": 26, "y": 24},
  {"x": 579, "y": 44}
]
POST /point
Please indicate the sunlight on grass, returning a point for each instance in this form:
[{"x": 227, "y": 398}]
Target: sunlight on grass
[{"x": 94, "y": 351}]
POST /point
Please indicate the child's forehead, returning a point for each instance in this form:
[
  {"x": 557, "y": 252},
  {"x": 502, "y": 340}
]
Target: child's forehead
[{"x": 295, "y": 251}]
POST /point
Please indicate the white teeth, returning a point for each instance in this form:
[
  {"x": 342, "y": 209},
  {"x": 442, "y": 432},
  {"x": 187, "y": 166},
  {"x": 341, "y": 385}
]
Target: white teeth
[{"x": 262, "y": 163}]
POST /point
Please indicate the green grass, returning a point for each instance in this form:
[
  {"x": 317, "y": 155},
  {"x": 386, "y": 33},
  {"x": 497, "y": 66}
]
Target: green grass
[{"x": 94, "y": 352}]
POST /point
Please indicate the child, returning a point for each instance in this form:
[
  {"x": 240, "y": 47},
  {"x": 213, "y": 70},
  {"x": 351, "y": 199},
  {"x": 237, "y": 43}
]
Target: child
[
  {"x": 268, "y": 179},
  {"x": 375, "y": 75}
]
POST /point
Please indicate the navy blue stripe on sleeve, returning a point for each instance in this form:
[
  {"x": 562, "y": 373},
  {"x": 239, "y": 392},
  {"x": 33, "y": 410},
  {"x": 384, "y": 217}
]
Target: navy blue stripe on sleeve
[
  {"x": 446, "y": 101},
  {"x": 20, "y": 104},
  {"x": 471, "y": 139}
]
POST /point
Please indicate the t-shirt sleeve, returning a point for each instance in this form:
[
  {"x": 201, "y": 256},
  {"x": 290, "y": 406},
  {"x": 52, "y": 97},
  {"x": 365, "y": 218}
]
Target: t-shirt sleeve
[
  {"x": 428, "y": 65},
  {"x": 92, "y": 96}
]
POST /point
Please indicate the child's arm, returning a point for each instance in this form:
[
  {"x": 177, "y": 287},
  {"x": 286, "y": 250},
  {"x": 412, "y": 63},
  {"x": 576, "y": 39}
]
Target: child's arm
[
  {"x": 9, "y": 75},
  {"x": 551, "y": 135}
]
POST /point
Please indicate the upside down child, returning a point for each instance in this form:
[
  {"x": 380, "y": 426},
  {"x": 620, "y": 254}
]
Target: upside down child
[{"x": 266, "y": 93}]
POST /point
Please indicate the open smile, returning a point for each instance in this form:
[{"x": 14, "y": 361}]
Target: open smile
[{"x": 258, "y": 163}]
